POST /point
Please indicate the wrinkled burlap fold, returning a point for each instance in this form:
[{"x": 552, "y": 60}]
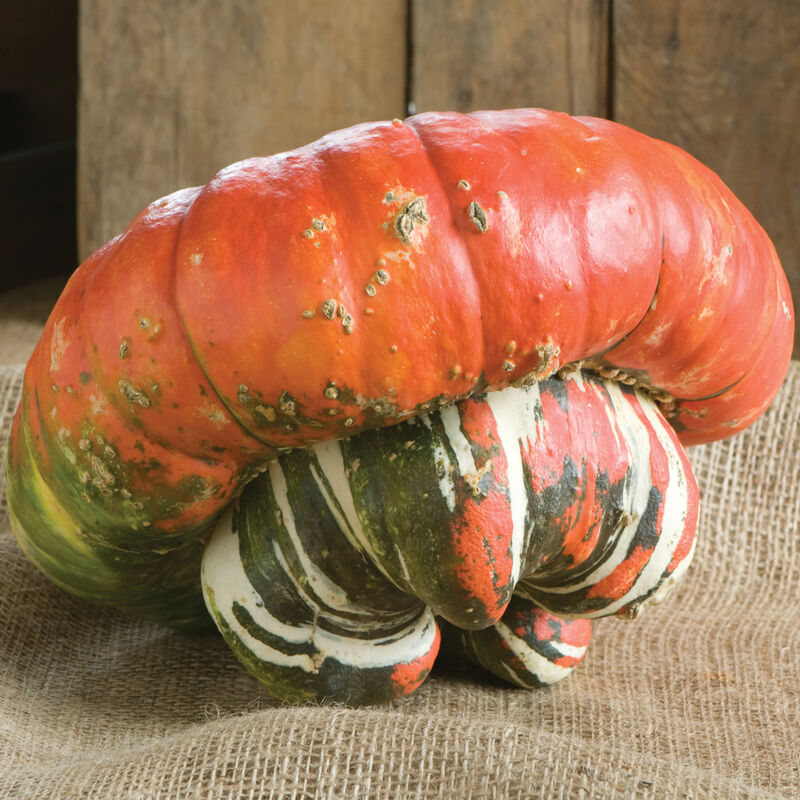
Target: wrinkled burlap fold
[{"x": 698, "y": 698}]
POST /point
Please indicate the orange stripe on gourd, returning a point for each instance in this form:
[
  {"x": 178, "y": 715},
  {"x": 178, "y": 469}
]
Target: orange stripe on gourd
[{"x": 482, "y": 527}]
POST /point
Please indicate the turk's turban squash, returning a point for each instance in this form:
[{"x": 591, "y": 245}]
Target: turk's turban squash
[{"x": 417, "y": 379}]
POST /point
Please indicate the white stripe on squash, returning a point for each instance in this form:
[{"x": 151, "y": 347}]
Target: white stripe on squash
[
  {"x": 516, "y": 413},
  {"x": 329, "y": 592},
  {"x": 535, "y": 663},
  {"x": 225, "y": 579},
  {"x": 675, "y": 509},
  {"x": 570, "y": 650},
  {"x": 331, "y": 461}
]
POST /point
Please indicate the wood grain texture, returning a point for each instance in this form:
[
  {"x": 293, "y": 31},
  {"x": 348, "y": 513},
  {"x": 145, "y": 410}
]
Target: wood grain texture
[
  {"x": 720, "y": 79},
  {"x": 470, "y": 54},
  {"x": 172, "y": 92}
]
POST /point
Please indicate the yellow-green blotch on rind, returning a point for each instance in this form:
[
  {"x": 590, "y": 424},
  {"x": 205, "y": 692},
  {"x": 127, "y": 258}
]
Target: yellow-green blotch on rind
[{"x": 160, "y": 587}]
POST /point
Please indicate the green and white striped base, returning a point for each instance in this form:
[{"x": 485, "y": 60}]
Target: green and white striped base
[{"x": 502, "y": 516}]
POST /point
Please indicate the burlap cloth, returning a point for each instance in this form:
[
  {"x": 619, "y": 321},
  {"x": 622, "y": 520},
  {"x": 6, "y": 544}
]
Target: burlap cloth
[{"x": 698, "y": 698}]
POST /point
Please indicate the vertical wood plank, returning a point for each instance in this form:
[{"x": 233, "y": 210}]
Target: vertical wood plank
[
  {"x": 720, "y": 79},
  {"x": 172, "y": 92},
  {"x": 470, "y": 54}
]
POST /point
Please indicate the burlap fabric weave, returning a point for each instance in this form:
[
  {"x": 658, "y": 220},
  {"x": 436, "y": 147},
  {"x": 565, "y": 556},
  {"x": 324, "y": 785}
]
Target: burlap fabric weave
[{"x": 698, "y": 698}]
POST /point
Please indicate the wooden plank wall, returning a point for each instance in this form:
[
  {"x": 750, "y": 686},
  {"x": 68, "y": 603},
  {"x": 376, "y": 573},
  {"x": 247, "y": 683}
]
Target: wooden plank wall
[
  {"x": 721, "y": 78},
  {"x": 470, "y": 54},
  {"x": 171, "y": 92}
]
